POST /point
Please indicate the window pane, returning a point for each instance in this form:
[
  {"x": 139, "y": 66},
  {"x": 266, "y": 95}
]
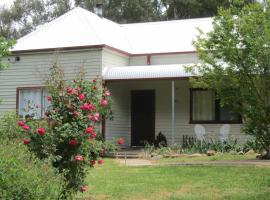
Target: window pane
[
  {"x": 227, "y": 115},
  {"x": 30, "y": 103},
  {"x": 203, "y": 105}
]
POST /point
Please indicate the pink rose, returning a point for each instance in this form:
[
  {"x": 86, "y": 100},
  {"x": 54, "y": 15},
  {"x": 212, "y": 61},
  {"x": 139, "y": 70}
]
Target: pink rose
[
  {"x": 73, "y": 142},
  {"x": 69, "y": 90},
  {"x": 78, "y": 158},
  {"x": 21, "y": 123},
  {"x": 96, "y": 117},
  {"x": 92, "y": 162},
  {"x": 84, "y": 188},
  {"x": 90, "y": 129},
  {"x": 107, "y": 93},
  {"x": 121, "y": 141},
  {"x": 81, "y": 97},
  {"x": 76, "y": 113},
  {"x": 101, "y": 162},
  {"x": 87, "y": 106},
  {"x": 93, "y": 135},
  {"x": 26, "y": 141},
  {"x": 41, "y": 131},
  {"x": 104, "y": 103},
  {"x": 26, "y": 127}
]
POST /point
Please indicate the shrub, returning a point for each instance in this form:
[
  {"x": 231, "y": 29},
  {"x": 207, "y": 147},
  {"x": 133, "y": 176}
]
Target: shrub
[
  {"x": 76, "y": 110},
  {"x": 8, "y": 126},
  {"x": 25, "y": 178}
]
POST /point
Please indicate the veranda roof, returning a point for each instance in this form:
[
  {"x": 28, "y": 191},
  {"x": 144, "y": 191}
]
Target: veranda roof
[{"x": 146, "y": 72}]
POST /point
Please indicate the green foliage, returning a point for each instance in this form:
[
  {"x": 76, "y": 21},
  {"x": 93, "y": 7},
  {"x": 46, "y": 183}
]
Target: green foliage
[
  {"x": 220, "y": 146},
  {"x": 25, "y": 178},
  {"x": 74, "y": 117},
  {"x": 235, "y": 63},
  {"x": 5, "y": 46},
  {"x": 182, "y": 9},
  {"x": 8, "y": 126}
]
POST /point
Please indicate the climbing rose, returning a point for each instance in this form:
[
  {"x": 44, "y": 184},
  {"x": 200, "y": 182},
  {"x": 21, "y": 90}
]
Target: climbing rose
[
  {"x": 41, "y": 131},
  {"x": 121, "y": 141},
  {"x": 100, "y": 162},
  {"x": 78, "y": 158},
  {"x": 90, "y": 129},
  {"x": 21, "y": 123},
  {"x": 26, "y": 141},
  {"x": 26, "y": 127},
  {"x": 49, "y": 98},
  {"x": 104, "y": 103},
  {"x": 107, "y": 93},
  {"x": 81, "y": 97},
  {"x": 73, "y": 142},
  {"x": 69, "y": 90},
  {"x": 84, "y": 188}
]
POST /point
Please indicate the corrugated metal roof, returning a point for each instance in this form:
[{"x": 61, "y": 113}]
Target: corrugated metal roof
[
  {"x": 80, "y": 27},
  {"x": 145, "y": 72}
]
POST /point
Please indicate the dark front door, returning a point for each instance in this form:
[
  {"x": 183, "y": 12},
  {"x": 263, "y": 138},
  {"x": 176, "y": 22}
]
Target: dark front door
[{"x": 142, "y": 117}]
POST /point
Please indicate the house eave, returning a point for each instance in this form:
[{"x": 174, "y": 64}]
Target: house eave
[{"x": 62, "y": 49}]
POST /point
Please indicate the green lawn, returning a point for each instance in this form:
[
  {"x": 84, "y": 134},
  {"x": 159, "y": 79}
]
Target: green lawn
[{"x": 115, "y": 182}]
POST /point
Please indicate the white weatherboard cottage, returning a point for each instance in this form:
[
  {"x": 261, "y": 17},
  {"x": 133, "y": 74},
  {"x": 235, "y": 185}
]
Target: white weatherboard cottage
[{"x": 142, "y": 64}]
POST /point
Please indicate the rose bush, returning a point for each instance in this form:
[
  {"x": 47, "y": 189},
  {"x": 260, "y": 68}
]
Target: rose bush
[{"x": 69, "y": 139}]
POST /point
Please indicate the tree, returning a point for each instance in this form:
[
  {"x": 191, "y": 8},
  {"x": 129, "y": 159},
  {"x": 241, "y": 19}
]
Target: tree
[
  {"x": 5, "y": 46},
  {"x": 235, "y": 63},
  {"x": 25, "y": 15},
  {"x": 126, "y": 11}
]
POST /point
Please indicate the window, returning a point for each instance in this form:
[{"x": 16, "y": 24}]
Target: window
[
  {"x": 204, "y": 108},
  {"x": 32, "y": 102}
]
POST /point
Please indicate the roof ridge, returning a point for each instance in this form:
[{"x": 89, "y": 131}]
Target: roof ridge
[{"x": 167, "y": 21}]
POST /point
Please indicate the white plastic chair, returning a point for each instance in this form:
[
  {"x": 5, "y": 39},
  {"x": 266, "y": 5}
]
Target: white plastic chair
[
  {"x": 199, "y": 132},
  {"x": 224, "y": 132}
]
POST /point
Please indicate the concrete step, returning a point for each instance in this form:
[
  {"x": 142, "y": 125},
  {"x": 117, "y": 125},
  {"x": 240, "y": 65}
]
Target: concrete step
[{"x": 122, "y": 155}]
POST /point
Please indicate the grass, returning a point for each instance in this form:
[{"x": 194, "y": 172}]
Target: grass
[
  {"x": 114, "y": 182},
  {"x": 217, "y": 157}
]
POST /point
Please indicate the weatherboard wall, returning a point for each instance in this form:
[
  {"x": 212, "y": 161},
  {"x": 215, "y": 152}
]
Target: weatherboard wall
[{"x": 32, "y": 69}]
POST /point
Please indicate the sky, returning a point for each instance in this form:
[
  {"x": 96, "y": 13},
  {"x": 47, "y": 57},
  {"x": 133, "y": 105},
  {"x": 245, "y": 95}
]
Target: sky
[
  {"x": 9, "y": 2},
  {"x": 6, "y": 2}
]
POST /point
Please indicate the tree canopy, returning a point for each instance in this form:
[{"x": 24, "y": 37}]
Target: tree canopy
[
  {"x": 235, "y": 63},
  {"x": 5, "y": 46},
  {"x": 25, "y": 15}
]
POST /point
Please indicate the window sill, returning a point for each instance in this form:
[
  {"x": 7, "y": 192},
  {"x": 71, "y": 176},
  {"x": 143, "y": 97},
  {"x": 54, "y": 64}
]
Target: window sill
[{"x": 215, "y": 122}]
